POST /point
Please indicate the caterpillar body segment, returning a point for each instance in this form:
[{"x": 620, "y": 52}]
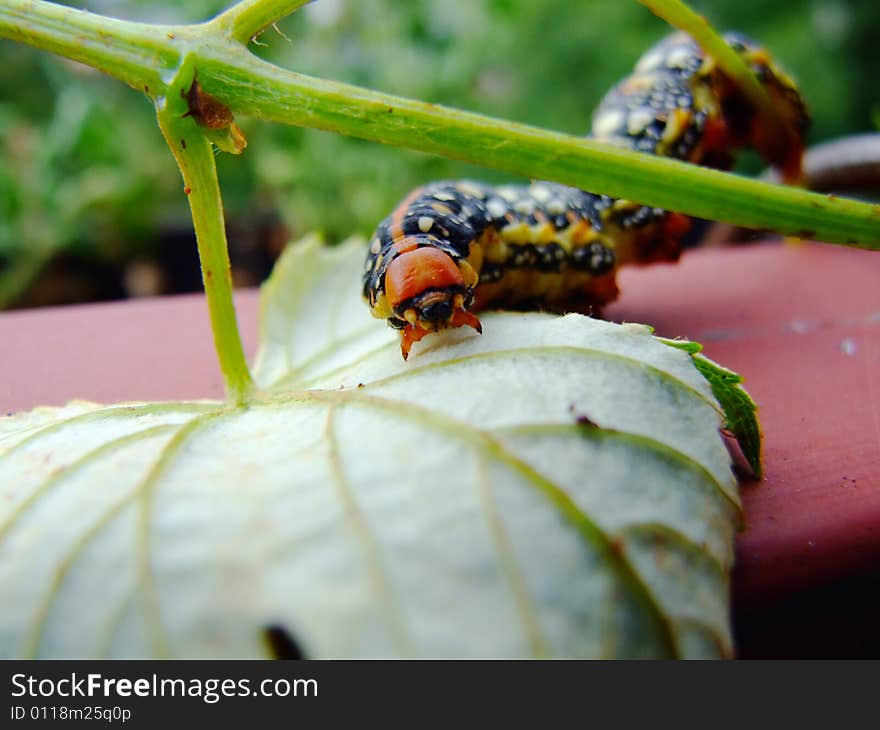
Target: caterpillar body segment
[
  {"x": 452, "y": 248},
  {"x": 678, "y": 104}
]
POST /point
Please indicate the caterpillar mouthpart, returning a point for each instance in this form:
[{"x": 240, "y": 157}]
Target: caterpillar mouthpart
[{"x": 413, "y": 333}]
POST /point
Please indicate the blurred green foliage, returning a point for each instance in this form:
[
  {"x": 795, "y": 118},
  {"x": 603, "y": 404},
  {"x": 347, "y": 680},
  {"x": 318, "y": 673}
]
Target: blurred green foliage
[{"x": 84, "y": 169}]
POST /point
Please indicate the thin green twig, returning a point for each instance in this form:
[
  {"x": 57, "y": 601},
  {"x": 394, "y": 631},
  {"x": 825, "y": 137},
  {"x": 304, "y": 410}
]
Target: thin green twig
[
  {"x": 138, "y": 54},
  {"x": 195, "y": 157},
  {"x": 248, "y": 18}
]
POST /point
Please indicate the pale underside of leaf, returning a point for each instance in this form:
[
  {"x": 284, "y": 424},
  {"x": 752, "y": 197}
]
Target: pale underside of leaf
[{"x": 554, "y": 487}]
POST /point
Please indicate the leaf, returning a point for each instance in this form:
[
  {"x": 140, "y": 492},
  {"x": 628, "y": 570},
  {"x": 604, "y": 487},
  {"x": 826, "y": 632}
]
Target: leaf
[
  {"x": 555, "y": 487},
  {"x": 740, "y": 411}
]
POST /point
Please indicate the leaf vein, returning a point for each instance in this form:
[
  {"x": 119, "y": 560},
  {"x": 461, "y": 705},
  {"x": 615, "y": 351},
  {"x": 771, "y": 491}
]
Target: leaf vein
[
  {"x": 588, "y": 529},
  {"x": 548, "y": 350},
  {"x": 509, "y": 566},
  {"x": 641, "y": 440},
  {"x": 380, "y": 579},
  {"x": 41, "y": 613}
]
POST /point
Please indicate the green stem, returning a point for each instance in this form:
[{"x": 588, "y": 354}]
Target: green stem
[
  {"x": 195, "y": 157},
  {"x": 252, "y": 86},
  {"x": 138, "y": 54},
  {"x": 142, "y": 55},
  {"x": 246, "y": 19}
]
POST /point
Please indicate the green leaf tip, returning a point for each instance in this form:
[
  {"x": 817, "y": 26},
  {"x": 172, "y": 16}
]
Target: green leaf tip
[
  {"x": 687, "y": 345},
  {"x": 740, "y": 411}
]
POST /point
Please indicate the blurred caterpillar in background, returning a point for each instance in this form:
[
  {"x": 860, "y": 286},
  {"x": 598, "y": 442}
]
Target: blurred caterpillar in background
[{"x": 452, "y": 248}]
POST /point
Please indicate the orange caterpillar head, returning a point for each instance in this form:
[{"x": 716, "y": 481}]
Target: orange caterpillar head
[{"x": 428, "y": 291}]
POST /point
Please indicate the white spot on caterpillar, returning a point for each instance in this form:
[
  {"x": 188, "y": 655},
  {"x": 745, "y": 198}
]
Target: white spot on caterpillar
[
  {"x": 679, "y": 57},
  {"x": 540, "y": 192},
  {"x": 608, "y": 123},
  {"x": 375, "y": 246},
  {"x": 443, "y": 196},
  {"x": 496, "y": 208},
  {"x": 526, "y": 206},
  {"x": 555, "y": 206},
  {"x": 425, "y": 223},
  {"x": 649, "y": 61},
  {"x": 638, "y": 121},
  {"x": 468, "y": 188},
  {"x": 508, "y": 192}
]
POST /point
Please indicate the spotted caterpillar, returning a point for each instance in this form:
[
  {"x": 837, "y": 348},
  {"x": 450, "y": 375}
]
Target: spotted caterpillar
[{"x": 452, "y": 248}]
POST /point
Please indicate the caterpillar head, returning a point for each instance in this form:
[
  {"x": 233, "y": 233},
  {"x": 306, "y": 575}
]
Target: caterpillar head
[{"x": 427, "y": 291}]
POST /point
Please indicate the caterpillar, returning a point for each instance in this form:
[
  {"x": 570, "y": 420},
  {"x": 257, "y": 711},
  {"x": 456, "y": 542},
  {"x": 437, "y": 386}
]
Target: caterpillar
[{"x": 452, "y": 248}]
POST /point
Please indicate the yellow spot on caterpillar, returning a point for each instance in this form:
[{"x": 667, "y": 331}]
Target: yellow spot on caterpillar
[
  {"x": 441, "y": 209},
  {"x": 425, "y": 223},
  {"x": 581, "y": 232},
  {"x": 468, "y": 275},
  {"x": 380, "y": 308},
  {"x": 517, "y": 233},
  {"x": 676, "y": 125},
  {"x": 375, "y": 246},
  {"x": 475, "y": 255},
  {"x": 495, "y": 250},
  {"x": 543, "y": 234}
]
